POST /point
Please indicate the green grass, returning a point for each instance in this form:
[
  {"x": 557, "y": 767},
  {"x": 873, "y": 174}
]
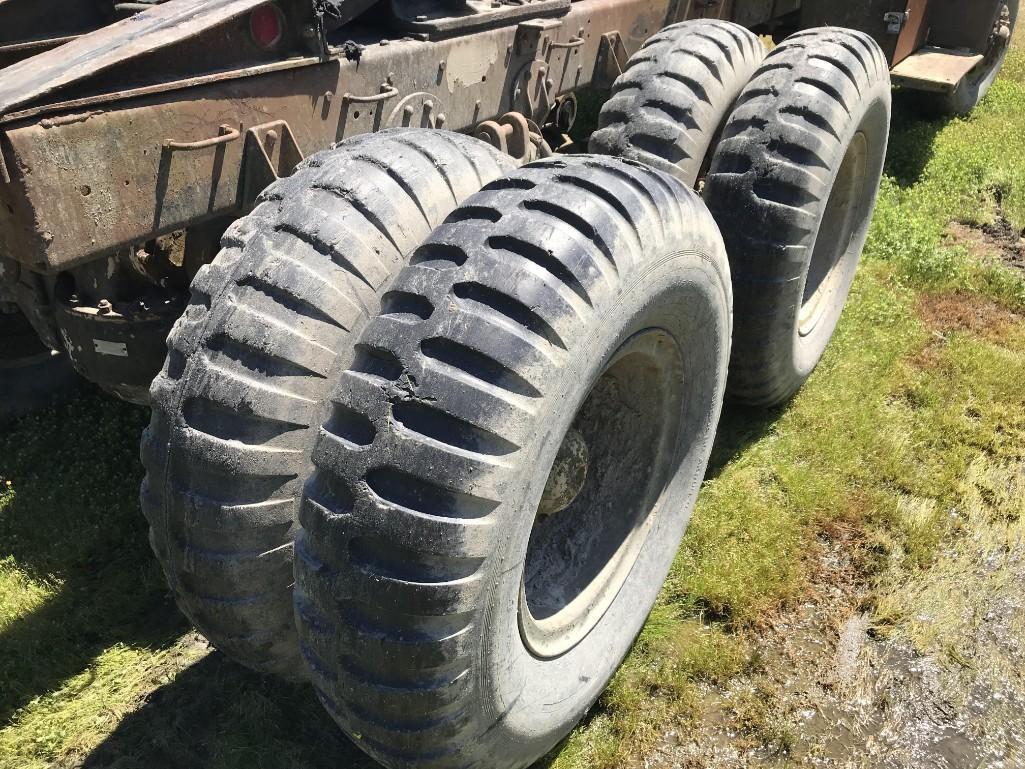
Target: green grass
[{"x": 903, "y": 423}]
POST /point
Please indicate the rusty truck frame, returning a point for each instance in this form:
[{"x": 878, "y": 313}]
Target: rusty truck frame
[{"x": 125, "y": 152}]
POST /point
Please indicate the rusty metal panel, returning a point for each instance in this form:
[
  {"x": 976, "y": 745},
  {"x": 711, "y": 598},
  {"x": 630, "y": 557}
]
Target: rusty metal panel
[
  {"x": 119, "y": 183},
  {"x": 916, "y": 28},
  {"x": 964, "y": 23},
  {"x": 143, "y": 33},
  {"x": 867, "y": 16}
]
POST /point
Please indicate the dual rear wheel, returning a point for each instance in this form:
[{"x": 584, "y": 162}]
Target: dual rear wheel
[
  {"x": 446, "y": 620},
  {"x": 480, "y": 401}
]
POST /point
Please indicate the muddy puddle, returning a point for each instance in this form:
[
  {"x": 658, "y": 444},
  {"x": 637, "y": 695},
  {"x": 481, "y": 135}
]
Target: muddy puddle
[{"x": 834, "y": 690}]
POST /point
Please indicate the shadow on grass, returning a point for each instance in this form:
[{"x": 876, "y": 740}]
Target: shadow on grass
[
  {"x": 120, "y": 604},
  {"x": 71, "y": 518},
  {"x": 739, "y": 427},
  {"x": 74, "y": 519},
  {"x": 913, "y": 134},
  {"x": 218, "y": 715}
]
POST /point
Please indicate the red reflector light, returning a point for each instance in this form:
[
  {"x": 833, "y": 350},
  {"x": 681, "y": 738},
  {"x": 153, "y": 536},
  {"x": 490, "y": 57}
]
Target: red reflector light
[{"x": 266, "y": 25}]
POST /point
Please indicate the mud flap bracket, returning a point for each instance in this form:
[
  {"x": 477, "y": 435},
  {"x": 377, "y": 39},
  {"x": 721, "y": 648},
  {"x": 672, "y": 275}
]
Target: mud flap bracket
[
  {"x": 271, "y": 152},
  {"x": 611, "y": 61}
]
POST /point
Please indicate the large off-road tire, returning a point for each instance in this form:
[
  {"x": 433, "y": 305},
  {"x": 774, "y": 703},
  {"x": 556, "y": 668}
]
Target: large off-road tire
[
  {"x": 668, "y": 106},
  {"x": 32, "y": 375},
  {"x": 252, "y": 361},
  {"x": 576, "y": 312},
  {"x": 792, "y": 186},
  {"x": 977, "y": 83}
]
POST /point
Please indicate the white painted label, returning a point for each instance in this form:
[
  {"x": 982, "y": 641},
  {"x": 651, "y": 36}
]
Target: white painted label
[{"x": 103, "y": 347}]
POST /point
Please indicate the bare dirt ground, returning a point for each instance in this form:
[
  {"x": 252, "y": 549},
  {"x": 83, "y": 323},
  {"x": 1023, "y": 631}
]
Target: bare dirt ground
[{"x": 1000, "y": 238}]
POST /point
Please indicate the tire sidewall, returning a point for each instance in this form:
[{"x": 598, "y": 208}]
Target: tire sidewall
[
  {"x": 537, "y": 701},
  {"x": 873, "y": 120}
]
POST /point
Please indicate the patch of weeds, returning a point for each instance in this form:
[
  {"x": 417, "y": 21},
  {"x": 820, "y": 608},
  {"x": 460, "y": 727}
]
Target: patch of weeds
[{"x": 969, "y": 170}]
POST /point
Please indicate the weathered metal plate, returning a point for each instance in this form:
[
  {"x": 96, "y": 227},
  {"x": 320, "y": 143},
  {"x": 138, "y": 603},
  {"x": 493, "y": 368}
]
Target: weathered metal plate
[
  {"x": 145, "y": 32},
  {"x": 934, "y": 69},
  {"x": 966, "y": 25},
  {"x": 915, "y": 31}
]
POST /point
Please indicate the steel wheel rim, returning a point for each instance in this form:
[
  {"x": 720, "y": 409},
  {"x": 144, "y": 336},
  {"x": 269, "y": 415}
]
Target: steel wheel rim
[{"x": 578, "y": 558}]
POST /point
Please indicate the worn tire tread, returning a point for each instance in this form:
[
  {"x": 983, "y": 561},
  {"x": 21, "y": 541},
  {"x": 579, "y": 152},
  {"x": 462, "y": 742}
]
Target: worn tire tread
[
  {"x": 677, "y": 90},
  {"x": 253, "y": 358}
]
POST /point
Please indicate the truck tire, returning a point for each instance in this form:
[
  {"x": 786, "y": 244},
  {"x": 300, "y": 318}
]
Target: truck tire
[
  {"x": 577, "y": 313},
  {"x": 974, "y": 87},
  {"x": 668, "y": 106},
  {"x": 251, "y": 364},
  {"x": 792, "y": 186},
  {"x": 32, "y": 375}
]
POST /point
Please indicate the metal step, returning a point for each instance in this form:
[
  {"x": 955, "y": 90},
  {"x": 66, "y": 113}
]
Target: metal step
[{"x": 935, "y": 69}]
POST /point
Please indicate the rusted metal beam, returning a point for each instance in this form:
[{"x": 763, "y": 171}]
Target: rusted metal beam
[
  {"x": 119, "y": 184},
  {"x": 144, "y": 33}
]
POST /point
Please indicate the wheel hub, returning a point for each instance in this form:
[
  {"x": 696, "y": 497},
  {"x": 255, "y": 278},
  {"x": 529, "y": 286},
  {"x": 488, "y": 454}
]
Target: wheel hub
[{"x": 567, "y": 476}]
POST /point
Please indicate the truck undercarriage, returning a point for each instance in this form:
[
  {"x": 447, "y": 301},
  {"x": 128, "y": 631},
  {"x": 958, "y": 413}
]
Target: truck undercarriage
[
  {"x": 434, "y": 388},
  {"x": 164, "y": 131}
]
